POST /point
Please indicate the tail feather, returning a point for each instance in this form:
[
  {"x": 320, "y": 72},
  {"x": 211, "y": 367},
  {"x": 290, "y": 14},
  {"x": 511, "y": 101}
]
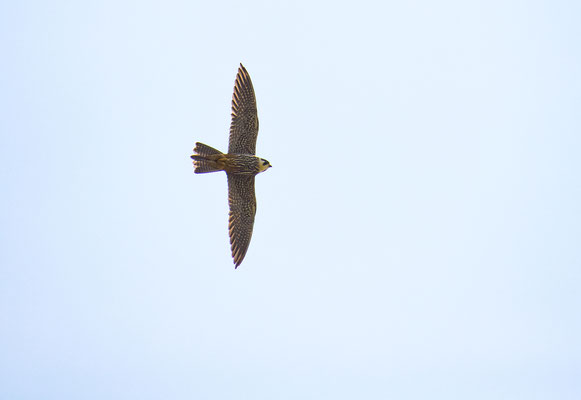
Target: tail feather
[
  {"x": 205, "y": 150},
  {"x": 205, "y": 166},
  {"x": 205, "y": 159}
]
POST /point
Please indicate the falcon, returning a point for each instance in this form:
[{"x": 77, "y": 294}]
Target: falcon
[{"x": 240, "y": 164}]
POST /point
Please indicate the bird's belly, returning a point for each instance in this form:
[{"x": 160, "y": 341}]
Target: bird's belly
[{"x": 241, "y": 164}]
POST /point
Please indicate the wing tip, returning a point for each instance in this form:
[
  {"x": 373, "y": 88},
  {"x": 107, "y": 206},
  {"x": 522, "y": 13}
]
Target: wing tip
[
  {"x": 237, "y": 262},
  {"x": 238, "y": 254},
  {"x": 242, "y": 72}
]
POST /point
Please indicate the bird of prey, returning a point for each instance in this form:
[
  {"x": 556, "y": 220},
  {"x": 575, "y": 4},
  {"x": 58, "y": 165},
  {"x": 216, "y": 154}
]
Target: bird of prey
[{"x": 240, "y": 164}]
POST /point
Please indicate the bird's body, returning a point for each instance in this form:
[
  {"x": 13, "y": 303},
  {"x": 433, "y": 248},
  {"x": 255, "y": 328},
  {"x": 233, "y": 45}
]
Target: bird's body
[{"x": 240, "y": 164}]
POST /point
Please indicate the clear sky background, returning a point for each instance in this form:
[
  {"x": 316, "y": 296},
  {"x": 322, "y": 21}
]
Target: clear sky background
[{"x": 418, "y": 236}]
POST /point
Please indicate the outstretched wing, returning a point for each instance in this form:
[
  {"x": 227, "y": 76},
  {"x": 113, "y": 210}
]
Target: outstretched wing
[
  {"x": 242, "y": 201},
  {"x": 244, "y": 125}
]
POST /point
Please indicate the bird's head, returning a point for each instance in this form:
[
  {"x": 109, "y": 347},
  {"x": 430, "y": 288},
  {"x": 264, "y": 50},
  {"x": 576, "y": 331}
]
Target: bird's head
[{"x": 263, "y": 165}]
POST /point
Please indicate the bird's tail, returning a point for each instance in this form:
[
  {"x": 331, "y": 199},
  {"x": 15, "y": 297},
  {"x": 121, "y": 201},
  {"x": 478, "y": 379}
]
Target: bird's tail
[{"x": 206, "y": 159}]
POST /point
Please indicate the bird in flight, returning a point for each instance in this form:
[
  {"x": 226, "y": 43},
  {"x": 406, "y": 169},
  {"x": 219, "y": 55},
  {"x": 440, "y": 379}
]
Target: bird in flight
[{"x": 240, "y": 164}]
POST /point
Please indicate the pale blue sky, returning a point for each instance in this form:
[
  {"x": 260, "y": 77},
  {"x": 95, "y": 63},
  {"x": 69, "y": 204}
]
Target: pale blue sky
[{"x": 417, "y": 238}]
